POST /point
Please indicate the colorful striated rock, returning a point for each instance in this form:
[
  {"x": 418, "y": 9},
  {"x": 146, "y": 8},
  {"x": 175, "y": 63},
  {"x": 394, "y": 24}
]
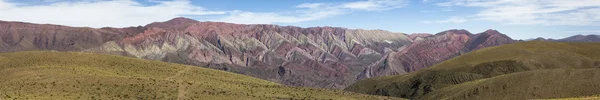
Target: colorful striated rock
[
  {"x": 323, "y": 57},
  {"x": 432, "y": 50}
]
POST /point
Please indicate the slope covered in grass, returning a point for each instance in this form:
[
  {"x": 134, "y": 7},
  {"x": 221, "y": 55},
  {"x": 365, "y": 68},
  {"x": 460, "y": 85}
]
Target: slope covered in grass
[
  {"x": 70, "y": 75},
  {"x": 526, "y": 70},
  {"x": 596, "y": 97}
]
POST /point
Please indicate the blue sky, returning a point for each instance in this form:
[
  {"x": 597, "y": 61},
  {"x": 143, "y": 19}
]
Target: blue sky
[{"x": 520, "y": 19}]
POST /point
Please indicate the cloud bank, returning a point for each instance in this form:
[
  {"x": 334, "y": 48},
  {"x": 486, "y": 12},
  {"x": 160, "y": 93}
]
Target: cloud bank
[
  {"x": 534, "y": 12},
  {"x": 312, "y": 11},
  {"x": 100, "y": 13},
  {"x": 125, "y": 13}
]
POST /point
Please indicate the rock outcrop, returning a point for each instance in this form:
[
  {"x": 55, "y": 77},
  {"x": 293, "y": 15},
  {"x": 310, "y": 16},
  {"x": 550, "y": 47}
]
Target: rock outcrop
[
  {"x": 419, "y": 36},
  {"x": 433, "y": 50}
]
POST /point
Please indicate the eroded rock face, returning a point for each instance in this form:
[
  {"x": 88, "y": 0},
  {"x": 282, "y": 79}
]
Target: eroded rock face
[
  {"x": 419, "y": 36},
  {"x": 432, "y": 50},
  {"x": 323, "y": 57},
  {"x": 487, "y": 39},
  {"x": 19, "y": 36}
]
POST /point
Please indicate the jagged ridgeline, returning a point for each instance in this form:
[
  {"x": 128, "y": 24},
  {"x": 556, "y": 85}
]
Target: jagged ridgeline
[
  {"x": 525, "y": 70},
  {"x": 321, "y": 57},
  {"x": 72, "y": 75}
]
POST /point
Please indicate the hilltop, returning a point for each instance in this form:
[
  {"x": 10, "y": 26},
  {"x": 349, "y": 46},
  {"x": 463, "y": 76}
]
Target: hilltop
[
  {"x": 524, "y": 70},
  {"x": 73, "y": 75}
]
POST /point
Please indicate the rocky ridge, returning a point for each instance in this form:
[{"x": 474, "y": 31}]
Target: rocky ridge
[
  {"x": 432, "y": 50},
  {"x": 323, "y": 57}
]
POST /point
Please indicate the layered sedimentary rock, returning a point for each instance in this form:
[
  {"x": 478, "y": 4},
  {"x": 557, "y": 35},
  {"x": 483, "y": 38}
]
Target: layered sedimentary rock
[
  {"x": 419, "y": 36},
  {"x": 20, "y": 36},
  {"x": 327, "y": 57},
  {"x": 432, "y": 50},
  {"x": 324, "y": 57}
]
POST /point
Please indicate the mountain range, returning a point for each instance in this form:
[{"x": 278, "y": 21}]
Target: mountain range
[
  {"x": 575, "y": 38},
  {"x": 322, "y": 57}
]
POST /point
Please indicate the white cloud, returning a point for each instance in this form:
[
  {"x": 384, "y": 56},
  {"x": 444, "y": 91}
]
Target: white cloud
[
  {"x": 535, "y": 12},
  {"x": 310, "y": 5},
  {"x": 452, "y": 20},
  {"x": 311, "y": 11},
  {"x": 375, "y": 5},
  {"x": 365, "y": 5},
  {"x": 124, "y": 13},
  {"x": 242, "y": 17},
  {"x": 100, "y": 13},
  {"x": 5, "y": 5}
]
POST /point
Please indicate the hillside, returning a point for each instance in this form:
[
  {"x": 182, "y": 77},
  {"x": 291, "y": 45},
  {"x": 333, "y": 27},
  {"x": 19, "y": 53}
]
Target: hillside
[
  {"x": 524, "y": 70},
  {"x": 72, "y": 75},
  {"x": 21, "y": 36},
  {"x": 432, "y": 50},
  {"x": 321, "y": 57},
  {"x": 596, "y": 97}
]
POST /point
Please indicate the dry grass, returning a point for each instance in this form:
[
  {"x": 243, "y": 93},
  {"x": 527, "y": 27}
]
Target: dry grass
[
  {"x": 596, "y": 97},
  {"x": 513, "y": 71},
  {"x": 71, "y": 75}
]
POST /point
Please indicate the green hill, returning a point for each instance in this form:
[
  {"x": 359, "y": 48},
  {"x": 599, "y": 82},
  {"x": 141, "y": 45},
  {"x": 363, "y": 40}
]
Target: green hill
[
  {"x": 71, "y": 75},
  {"x": 526, "y": 70}
]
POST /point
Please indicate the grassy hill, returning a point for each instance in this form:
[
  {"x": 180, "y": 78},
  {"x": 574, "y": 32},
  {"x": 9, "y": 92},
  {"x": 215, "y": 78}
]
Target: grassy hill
[
  {"x": 597, "y": 97},
  {"x": 71, "y": 75},
  {"x": 526, "y": 70}
]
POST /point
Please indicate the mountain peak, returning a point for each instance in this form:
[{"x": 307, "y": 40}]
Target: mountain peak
[
  {"x": 455, "y": 31},
  {"x": 492, "y": 31},
  {"x": 181, "y": 20},
  {"x": 487, "y": 39},
  {"x": 178, "y": 23}
]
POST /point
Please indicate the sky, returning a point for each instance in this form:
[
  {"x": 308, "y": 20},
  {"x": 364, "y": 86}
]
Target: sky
[{"x": 519, "y": 19}]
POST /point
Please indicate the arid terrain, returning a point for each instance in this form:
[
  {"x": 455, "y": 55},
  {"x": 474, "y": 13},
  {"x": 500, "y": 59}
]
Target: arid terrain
[
  {"x": 299, "y": 49},
  {"x": 322, "y": 57},
  {"x": 74, "y": 75},
  {"x": 525, "y": 70}
]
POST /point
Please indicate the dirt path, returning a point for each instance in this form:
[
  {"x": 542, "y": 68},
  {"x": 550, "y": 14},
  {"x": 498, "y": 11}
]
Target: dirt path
[
  {"x": 181, "y": 84},
  {"x": 181, "y": 91}
]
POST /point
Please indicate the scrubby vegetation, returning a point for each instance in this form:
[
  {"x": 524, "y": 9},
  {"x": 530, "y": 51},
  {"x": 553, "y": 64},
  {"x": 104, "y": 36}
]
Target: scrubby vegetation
[
  {"x": 596, "y": 97},
  {"x": 526, "y": 70},
  {"x": 72, "y": 75}
]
